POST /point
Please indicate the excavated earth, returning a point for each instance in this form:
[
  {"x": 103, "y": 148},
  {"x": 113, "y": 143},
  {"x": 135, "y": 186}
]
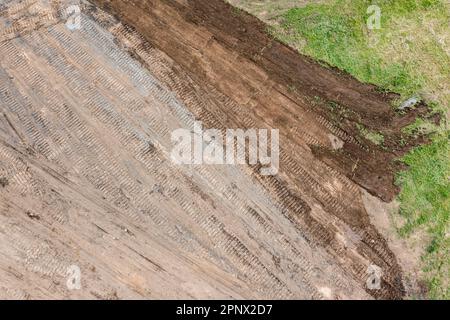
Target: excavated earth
[{"x": 86, "y": 176}]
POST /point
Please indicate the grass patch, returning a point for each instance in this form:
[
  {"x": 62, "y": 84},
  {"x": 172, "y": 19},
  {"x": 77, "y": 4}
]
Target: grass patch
[
  {"x": 236, "y": 11},
  {"x": 425, "y": 203},
  {"x": 407, "y": 55},
  {"x": 374, "y": 137},
  {"x": 410, "y": 55},
  {"x": 419, "y": 128}
]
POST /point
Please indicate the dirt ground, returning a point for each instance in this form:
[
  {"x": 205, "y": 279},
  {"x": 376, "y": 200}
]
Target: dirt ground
[
  {"x": 269, "y": 10},
  {"x": 85, "y": 124}
]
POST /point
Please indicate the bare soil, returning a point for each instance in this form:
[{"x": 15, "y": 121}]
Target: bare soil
[{"x": 85, "y": 148}]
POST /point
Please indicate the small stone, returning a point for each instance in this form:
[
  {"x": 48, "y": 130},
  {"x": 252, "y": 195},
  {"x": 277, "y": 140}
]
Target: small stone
[{"x": 411, "y": 102}]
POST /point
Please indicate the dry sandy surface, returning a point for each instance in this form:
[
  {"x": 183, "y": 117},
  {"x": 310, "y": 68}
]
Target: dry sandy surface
[{"x": 86, "y": 117}]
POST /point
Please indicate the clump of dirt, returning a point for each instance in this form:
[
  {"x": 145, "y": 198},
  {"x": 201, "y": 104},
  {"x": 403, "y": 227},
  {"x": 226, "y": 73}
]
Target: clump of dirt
[{"x": 4, "y": 182}]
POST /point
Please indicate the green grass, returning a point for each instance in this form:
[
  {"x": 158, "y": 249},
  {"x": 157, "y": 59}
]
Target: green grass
[
  {"x": 375, "y": 137},
  {"x": 425, "y": 203},
  {"x": 409, "y": 55},
  {"x": 392, "y": 57}
]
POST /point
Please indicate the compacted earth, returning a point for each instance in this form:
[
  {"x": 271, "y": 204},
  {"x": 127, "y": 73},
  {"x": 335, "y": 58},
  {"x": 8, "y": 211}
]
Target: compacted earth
[{"x": 92, "y": 206}]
